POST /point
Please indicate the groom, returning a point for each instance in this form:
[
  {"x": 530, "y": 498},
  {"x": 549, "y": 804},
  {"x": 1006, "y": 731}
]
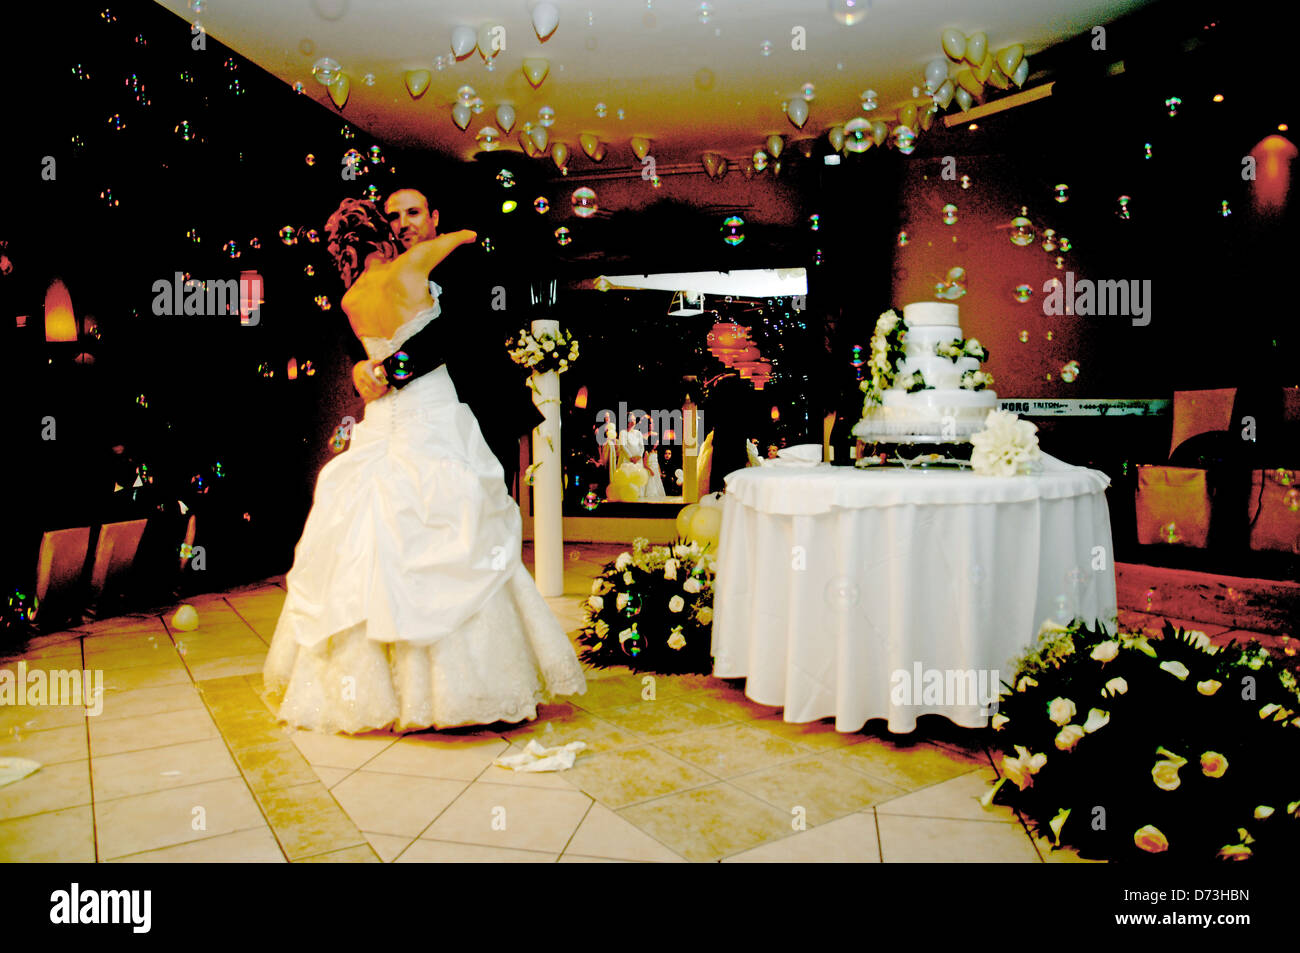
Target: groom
[{"x": 470, "y": 341}]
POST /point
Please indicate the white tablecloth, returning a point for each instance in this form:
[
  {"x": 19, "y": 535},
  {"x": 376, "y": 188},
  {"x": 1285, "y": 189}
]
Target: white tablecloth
[{"x": 848, "y": 592}]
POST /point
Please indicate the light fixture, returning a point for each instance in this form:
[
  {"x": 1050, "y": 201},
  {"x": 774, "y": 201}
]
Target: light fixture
[
  {"x": 1218, "y": 97},
  {"x": 686, "y": 304}
]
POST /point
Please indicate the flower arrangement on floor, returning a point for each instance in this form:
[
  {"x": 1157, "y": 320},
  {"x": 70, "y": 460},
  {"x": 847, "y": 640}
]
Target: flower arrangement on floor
[
  {"x": 543, "y": 352},
  {"x": 651, "y": 609},
  {"x": 1129, "y": 749}
]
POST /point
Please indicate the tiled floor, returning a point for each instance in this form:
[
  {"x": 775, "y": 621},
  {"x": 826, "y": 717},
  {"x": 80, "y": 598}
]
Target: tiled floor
[{"x": 187, "y": 763}]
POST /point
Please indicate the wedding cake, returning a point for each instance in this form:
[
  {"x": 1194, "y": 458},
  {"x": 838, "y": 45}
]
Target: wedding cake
[{"x": 925, "y": 384}]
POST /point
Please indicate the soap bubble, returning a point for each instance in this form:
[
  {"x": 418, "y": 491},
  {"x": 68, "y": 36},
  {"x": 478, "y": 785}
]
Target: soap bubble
[
  {"x": 759, "y": 160},
  {"x": 488, "y": 138},
  {"x": 487, "y": 244},
  {"x": 705, "y": 12},
  {"x": 310, "y": 271},
  {"x": 733, "y": 230},
  {"x": 466, "y": 95},
  {"x": 902, "y": 239},
  {"x": 326, "y": 70},
  {"x": 904, "y": 140},
  {"x": 1049, "y": 335},
  {"x": 376, "y": 155},
  {"x": 1223, "y": 208},
  {"x": 814, "y": 221},
  {"x": 1063, "y": 243},
  {"x": 506, "y": 178},
  {"x": 1022, "y": 230},
  {"x": 869, "y": 100},
  {"x": 809, "y": 92},
  {"x": 231, "y": 249},
  {"x": 765, "y": 48},
  {"x": 965, "y": 182},
  {"x": 950, "y": 214},
  {"x": 1123, "y": 210},
  {"x": 117, "y": 122},
  {"x": 601, "y": 110},
  {"x": 562, "y": 235},
  {"x": 1070, "y": 371},
  {"x": 313, "y": 236},
  {"x": 546, "y": 116},
  {"x": 1024, "y": 337},
  {"x": 1023, "y": 293},
  {"x": 347, "y": 132},
  {"x": 584, "y": 202},
  {"x": 288, "y": 235},
  {"x": 1062, "y": 193},
  {"x": 541, "y": 205}
]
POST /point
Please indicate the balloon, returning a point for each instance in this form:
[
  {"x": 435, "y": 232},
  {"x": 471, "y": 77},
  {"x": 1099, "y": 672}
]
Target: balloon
[
  {"x": 535, "y": 69},
  {"x": 186, "y": 618},
  {"x": 640, "y": 147},
  {"x": 506, "y": 117},
  {"x": 954, "y": 43},
  {"x": 984, "y": 67},
  {"x": 998, "y": 79},
  {"x": 684, "y": 517},
  {"x": 879, "y": 132},
  {"x": 797, "y": 112},
  {"x": 540, "y": 137},
  {"x": 638, "y": 477},
  {"x": 907, "y": 115},
  {"x": 463, "y": 41},
  {"x": 712, "y": 499},
  {"x": 967, "y": 81},
  {"x": 936, "y": 71},
  {"x": 625, "y": 493},
  {"x": 706, "y": 525},
  {"x": 1010, "y": 58},
  {"x": 943, "y": 95},
  {"x": 598, "y": 153},
  {"x": 560, "y": 154},
  {"x": 460, "y": 115},
  {"x": 490, "y": 42},
  {"x": 1021, "y": 74},
  {"x": 977, "y": 45},
  {"x": 417, "y": 81},
  {"x": 963, "y": 98},
  {"x": 545, "y": 19},
  {"x": 927, "y": 117},
  {"x": 590, "y": 142},
  {"x": 774, "y": 146},
  {"x": 836, "y": 137},
  {"x": 714, "y": 164},
  {"x": 529, "y": 147},
  {"x": 339, "y": 90}
]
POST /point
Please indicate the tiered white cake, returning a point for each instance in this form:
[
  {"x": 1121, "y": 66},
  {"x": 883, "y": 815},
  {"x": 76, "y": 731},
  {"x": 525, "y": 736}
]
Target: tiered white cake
[{"x": 953, "y": 404}]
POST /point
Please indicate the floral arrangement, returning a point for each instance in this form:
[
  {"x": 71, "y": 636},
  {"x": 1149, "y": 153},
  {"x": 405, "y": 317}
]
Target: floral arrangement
[
  {"x": 957, "y": 349},
  {"x": 976, "y": 380},
  {"x": 913, "y": 382},
  {"x": 1130, "y": 749},
  {"x": 651, "y": 609},
  {"x": 544, "y": 352},
  {"x": 886, "y": 352},
  {"x": 1006, "y": 446}
]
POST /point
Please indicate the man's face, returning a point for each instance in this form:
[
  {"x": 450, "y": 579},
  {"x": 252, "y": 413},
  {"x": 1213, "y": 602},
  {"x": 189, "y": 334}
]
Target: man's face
[{"x": 409, "y": 216}]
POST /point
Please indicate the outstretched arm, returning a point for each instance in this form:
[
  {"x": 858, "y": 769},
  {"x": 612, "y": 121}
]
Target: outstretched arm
[{"x": 422, "y": 257}]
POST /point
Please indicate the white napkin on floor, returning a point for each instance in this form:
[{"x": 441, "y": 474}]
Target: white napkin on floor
[
  {"x": 802, "y": 455},
  {"x": 15, "y": 769},
  {"x": 536, "y": 758}
]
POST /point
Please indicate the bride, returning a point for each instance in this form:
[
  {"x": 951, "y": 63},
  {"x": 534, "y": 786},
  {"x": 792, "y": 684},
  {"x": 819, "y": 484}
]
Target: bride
[{"x": 408, "y": 604}]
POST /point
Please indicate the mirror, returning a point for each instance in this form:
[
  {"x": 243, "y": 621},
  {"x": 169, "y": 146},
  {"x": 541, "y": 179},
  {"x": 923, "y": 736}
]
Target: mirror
[{"x": 670, "y": 364}]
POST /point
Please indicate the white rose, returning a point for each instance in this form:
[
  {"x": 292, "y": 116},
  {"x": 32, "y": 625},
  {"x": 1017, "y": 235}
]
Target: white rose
[
  {"x": 598, "y": 604},
  {"x": 627, "y": 577},
  {"x": 676, "y": 604},
  {"x": 1116, "y": 686},
  {"x": 692, "y": 585},
  {"x": 1096, "y": 719},
  {"x": 705, "y": 615},
  {"x": 1177, "y": 669},
  {"x": 548, "y": 345},
  {"x": 1105, "y": 651},
  {"x": 598, "y": 587},
  {"x": 1060, "y": 711},
  {"x": 680, "y": 550},
  {"x": 623, "y": 561},
  {"x": 621, "y": 602},
  {"x": 1068, "y": 737},
  {"x": 670, "y": 569},
  {"x": 999, "y": 720},
  {"x": 676, "y": 640}
]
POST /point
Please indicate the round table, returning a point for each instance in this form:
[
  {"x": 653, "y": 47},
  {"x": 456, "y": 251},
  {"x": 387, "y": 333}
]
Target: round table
[{"x": 890, "y": 593}]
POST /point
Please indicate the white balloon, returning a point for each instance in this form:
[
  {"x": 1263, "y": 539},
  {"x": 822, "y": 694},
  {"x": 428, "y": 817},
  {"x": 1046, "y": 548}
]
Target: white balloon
[
  {"x": 797, "y": 111},
  {"x": 463, "y": 41},
  {"x": 590, "y": 143},
  {"x": 943, "y": 95},
  {"x": 460, "y": 115},
  {"x": 560, "y": 154},
  {"x": 936, "y": 71},
  {"x": 535, "y": 69},
  {"x": 963, "y": 98},
  {"x": 490, "y": 43},
  {"x": 640, "y": 146},
  {"x": 836, "y": 137},
  {"x": 545, "y": 19},
  {"x": 540, "y": 137},
  {"x": 186, "y": 618},
  {"x": 774, "y": 146},
  {"x": 1022, "y": 73},
  {"x": 506, "y": 116}
]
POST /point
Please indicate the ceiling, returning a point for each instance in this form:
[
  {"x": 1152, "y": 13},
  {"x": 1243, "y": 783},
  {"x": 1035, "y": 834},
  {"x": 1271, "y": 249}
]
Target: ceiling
[{"x": 686, "y": 85}]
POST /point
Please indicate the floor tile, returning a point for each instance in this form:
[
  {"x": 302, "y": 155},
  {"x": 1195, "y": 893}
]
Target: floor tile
[
  {"x": 956, "y": 799},
  {"x": 144, "y": 822},
  {"x": 560, "y": 726},
  {"x": 275, "y": 765},
  {"x": 254, "y": 846},
  {"x": 731, "y": 749},
  {"x": 848, "y": 840},
  {"x": 150, "y": 731},
  {"x": 908, "y": 766},
  {"x": 941, "y": 840},
  {"x": 236, "y": 665},
  {"x": 398, "y": 804},
  {"x": 340, "y": 751},
  {"x": 21, "y": 719},
  {"x": 387, "y": 846},
  {"x": 48, "y": 746},
  {"x": 65, "y": 837},
  {"x": 158, "y": 769},
  {"x": 630, "y": 775},
  {"x": 663, "y": 718},
  {"x": 331, "y": 776},
  {"x": 709, "y": 823},
  {"x": 446, "y": 852},
  {"x": 145, "y": 676},
  {"x": 53, "y": 787},
  {"x": 604, "y": 834},
  {"x": 817, "y": 787},
  {"x": 306, "y": 820},
  {"x": 436, "y": 755},
  {"x": 814, "y": 735},
  {"x": 150, "y": 701},
  {"x": 359, "y": 854},
  {"x": 504, "y": 815}
]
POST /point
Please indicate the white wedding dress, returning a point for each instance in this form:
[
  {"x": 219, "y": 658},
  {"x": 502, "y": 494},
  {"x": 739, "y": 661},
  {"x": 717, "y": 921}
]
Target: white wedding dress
[
  {"x": 654, "y": 490},
  {"x": 408, "y": 604}
]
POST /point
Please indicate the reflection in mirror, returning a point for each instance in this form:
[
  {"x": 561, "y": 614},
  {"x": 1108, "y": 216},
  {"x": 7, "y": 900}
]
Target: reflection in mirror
[{"x": 681, "y": 381}]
